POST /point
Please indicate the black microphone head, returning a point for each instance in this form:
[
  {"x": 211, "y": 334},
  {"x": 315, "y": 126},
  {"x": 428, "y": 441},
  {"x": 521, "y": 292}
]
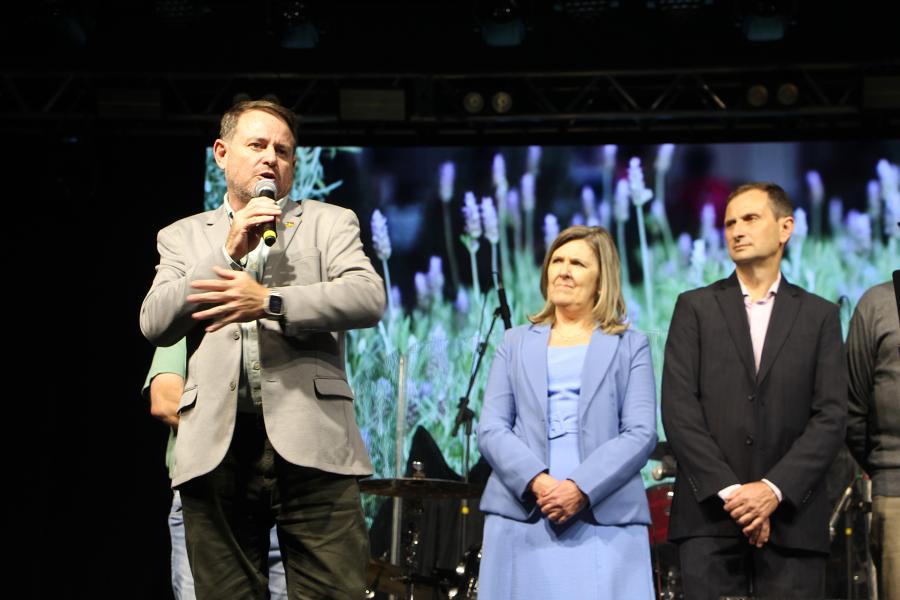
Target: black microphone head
[{"x": 265, "y": 187}]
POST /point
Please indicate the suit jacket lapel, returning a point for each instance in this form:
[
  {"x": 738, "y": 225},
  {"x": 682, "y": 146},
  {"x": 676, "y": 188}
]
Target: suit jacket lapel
[
  {"x": 217, "y": 227},
  {"x": 597, "y": 359},
  {"x": 534, "y": 361},
  {"x": 731, "y": 303},
  {"x": 287, "y": 227},
  {"x": 784, "y": 313}
]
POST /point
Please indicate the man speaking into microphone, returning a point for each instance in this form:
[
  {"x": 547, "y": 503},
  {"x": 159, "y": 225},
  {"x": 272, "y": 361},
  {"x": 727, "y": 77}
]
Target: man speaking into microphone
[{"x": 267, "y": 433}]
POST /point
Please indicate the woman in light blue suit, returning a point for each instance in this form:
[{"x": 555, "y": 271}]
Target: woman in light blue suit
[{"x": 569, "y": 419}]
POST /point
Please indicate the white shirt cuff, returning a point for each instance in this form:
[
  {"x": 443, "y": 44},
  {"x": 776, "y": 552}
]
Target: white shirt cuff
[
  {"x": 727, "y": 491},
  {"x": 774, "y": 489}
]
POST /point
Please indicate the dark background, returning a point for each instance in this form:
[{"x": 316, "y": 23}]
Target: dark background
[{"x": 105, "y": 111}]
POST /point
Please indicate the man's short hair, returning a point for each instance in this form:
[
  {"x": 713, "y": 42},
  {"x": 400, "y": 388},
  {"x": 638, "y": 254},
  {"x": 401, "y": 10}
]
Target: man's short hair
[
  {"x": 230, "y": 118},
  {"x": 778, "y": 199}
]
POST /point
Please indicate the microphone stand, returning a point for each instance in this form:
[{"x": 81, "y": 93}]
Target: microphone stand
[{"x": 464, "y": 416}]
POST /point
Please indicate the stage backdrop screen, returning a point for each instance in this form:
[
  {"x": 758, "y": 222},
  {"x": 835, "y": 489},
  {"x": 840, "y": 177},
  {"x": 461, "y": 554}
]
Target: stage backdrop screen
[{"x": 442, "y": 225}]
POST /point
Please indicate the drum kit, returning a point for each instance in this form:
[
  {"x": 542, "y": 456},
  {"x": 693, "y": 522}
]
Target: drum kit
[{"x": 403, "y": 581}]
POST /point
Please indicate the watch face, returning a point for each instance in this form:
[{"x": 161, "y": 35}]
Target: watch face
[{"x": 276, "y": 305}]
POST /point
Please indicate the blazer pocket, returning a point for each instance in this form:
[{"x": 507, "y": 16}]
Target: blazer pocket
[
  {"x": 329, "y": 388},
  {"x": 305, "y": 266},
  {"x": 188, "y": 399}
]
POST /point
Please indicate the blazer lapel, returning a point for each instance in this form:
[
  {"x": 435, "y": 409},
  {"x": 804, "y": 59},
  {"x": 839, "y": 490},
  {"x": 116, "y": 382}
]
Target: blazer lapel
[
  {"x": 534, "y": 361},
  {"x": 784, "y": 313},
  {"x": 599, "y": 356},
  {"x": 217, "y": 227},
  {"x": 731, "y": 303},
  {"x": 287, "y": 227}
]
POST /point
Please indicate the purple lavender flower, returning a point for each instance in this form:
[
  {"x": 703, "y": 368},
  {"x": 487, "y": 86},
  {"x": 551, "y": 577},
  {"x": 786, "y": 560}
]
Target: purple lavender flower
[
  {"x": 512, "y": 207},
  {"x": 527, "y": 184},
  {"x": 684, "y": 244},
  {"x": 698, "y": 259},
  {"x": 489, "y": 219},
  {"x": 609, "y": 156},
  {"x": 835, "y": 215},
  {"x": 551, "y": 229},
  {"x": 461, "y": 304},
  {"x": 577, "y": 220},
  {"x": 448, "y": 174},
  {"x": 380, "y": 237},
  {"x": 533, "y": 161},
  {"x": 435, "y": 278},
  {"x": 708, "y": 230},
  {"x": 604, "y": 214},
  {"x": 473, "y": 219},
  {"x": 873, "y": 196},
  {"x": 664, "y": 157},
  {"x": 422, "y": 292},
  {"x": 621, "y": 206},
  {"x": 639, "y": 192},
  {"x": 801, "y": 226},
  {"x": 588, "y": 202},
  {"x": 816, "y": 189},
  {"x": 438, "y": 365},
  {"x": 499, "y": 172},
  {"x": 859, "y": 232}
]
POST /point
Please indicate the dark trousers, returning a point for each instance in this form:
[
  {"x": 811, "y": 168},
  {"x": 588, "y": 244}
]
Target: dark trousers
[
  {"x": 229, "y": 512},
  {"x": 712, "y": 567}
]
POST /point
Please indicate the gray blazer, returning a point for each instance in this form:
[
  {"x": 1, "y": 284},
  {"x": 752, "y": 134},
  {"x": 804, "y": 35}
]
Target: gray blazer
[{"x": 328, "y": 285}]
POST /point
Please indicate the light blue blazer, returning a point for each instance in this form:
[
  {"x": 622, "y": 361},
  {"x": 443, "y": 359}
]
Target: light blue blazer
[{"x": 617, "y": 424}]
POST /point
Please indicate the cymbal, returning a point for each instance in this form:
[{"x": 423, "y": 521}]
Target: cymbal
[
  {"x": 423, "y": 488},
  {"x": 383, "y": 576}
]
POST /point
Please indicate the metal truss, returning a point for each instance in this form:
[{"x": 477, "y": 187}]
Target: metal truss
[{"x": 817, "y": 100}]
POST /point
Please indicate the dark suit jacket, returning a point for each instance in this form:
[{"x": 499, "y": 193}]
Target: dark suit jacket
[{"x": 727, "y": 424}]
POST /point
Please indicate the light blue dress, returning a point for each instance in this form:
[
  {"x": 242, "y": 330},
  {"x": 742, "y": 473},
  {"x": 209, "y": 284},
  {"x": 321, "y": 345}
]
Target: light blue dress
[{"x": 580, "y": 560}]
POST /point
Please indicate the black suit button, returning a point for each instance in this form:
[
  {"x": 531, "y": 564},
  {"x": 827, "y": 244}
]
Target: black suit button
[
  {"x": 749, "y": 440},
  {"x": 751, "y": 397}
]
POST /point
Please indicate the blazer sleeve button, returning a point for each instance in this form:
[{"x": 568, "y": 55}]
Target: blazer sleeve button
[{"x": 749, "y": 440}]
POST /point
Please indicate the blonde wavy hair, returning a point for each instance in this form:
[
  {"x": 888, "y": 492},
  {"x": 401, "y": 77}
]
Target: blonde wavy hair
[{"x": 609, "y": 309}]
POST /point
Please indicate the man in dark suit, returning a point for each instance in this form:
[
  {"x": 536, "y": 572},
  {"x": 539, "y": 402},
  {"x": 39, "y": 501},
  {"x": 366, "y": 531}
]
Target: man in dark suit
[{"x": 754, "y": 406}]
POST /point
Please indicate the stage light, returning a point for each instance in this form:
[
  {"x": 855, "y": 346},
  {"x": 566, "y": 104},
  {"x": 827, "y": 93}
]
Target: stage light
[
  {"x": 757, "y": 95},
  {"x": 300, "y": 31},
  {"x": 788, "y": 94},
  {"x": 473, "y": 102},
  {"x": 765, "y": 20},
  {"x": 501, "y": 23},
  {"x": 501, "y": 102}
]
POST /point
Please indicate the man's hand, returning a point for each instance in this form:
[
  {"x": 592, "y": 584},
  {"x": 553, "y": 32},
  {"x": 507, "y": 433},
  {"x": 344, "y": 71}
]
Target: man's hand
[
  {"x": 165, "y": 395},
  {"x": 245, "y": 233},
  {"x": 237, "y": 297},
  {"x": 760, "y": 536},
  {"x": 751, "y": 504},
  {"x": 562, "y": 502}
]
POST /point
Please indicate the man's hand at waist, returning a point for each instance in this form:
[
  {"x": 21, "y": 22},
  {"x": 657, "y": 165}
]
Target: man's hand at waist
[
  {"x": 236, "y": 298},
  {"x": 751, "y": 505}
]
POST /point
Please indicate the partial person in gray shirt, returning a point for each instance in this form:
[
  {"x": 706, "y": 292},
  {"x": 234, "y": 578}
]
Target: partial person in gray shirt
[{"x": 873, "y": 424}]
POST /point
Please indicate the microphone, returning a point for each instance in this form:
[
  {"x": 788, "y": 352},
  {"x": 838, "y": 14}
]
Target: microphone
[
  {"x": 504, "y": 305},
  {"x": 267, "y": 188}
]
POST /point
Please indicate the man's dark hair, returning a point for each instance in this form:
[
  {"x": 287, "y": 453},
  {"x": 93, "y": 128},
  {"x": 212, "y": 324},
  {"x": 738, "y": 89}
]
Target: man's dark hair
[
  {"x": 230, "y": 118},
  {"x": 778, "y": 199}
]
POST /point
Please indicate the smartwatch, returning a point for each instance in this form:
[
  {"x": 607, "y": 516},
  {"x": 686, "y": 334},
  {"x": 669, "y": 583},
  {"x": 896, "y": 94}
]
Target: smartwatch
[{"x": 274, "y": 306}]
